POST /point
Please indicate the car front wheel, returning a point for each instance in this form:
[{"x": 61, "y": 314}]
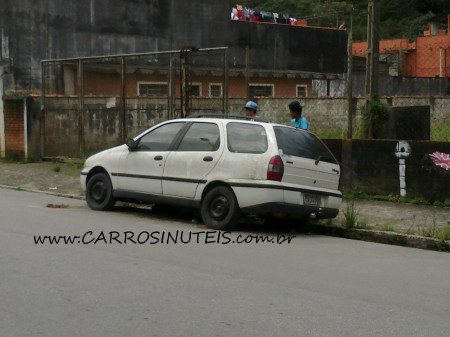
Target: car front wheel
[
  {"x": 220, "y": 209},
  {"x": 99, "y": 194}
]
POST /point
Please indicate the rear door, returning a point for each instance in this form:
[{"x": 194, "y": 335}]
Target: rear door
[
  {"x": 306, "y": 158},
  {"x": 197, "y": 153}
]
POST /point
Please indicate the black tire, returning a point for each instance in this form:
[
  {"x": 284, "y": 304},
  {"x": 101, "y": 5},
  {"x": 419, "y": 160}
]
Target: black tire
[
  {"x": 220, "y": 209},
  {"x": 99, "y": 193}
]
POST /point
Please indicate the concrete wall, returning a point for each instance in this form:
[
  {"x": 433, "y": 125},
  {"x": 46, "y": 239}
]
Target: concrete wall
[
  {"x": 329, "y": 115},
  {"x": 373, "y": 167},
  {"x": 388, "y": 86},
  {"x": 2, "y": 118},
  {"x": 49, "y": 29}
]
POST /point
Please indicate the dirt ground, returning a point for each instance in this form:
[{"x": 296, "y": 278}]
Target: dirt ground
[{"x": 380, "y": 215}]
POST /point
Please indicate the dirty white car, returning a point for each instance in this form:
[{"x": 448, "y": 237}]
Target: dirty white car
[{"x": 225, "y": 166}]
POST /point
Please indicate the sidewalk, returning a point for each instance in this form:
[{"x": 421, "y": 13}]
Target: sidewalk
[{"x": 378, "y": 215}]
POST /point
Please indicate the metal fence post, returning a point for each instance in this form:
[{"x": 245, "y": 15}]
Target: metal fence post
[
  {"x": 184, "y": 82},
  {"x": 247, "y": 72},
  {"x": 225, "y": 84},
  {"x": 42, "y": 115},
  {"x": 170, "y": 112},
  {"x": 81, "y": 109},
  {"x": 350, "y": 104},
  {"x": 123, "y": 106}
]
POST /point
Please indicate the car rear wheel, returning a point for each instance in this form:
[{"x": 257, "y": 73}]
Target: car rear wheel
[
  {"x": 220, "y": 209},
  {"x": 99, "y": 194}
]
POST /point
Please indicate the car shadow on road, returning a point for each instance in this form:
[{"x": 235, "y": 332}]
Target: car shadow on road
[{"x": 251, "y": 224}]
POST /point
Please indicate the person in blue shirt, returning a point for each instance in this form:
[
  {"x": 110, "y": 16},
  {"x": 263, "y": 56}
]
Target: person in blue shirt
[{"x": 298, "y": 121}]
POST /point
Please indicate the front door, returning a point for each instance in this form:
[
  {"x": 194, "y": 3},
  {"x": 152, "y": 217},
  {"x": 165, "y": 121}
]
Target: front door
[
  {"x": 192, "y": 160},
  {"x": 141, "y": 170}
]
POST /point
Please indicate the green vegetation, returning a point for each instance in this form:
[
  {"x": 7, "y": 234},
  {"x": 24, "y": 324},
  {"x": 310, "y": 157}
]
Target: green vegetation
[
  {"x": 440, "y": 132},
  {"x": 398, "y": 18},
  {"x": 388, "y": 228},
  {"x": 374, "y": 114},
  {"x": 56, "y": 168},
  {"x": 363, "y": 225},
  {"x": 350, "y": 216},
  {"x": 394, "y": 198}
]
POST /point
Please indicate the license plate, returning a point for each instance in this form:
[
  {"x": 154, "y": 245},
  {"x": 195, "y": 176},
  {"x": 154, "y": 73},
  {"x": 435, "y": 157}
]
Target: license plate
[{"x": 311, "y": 200}]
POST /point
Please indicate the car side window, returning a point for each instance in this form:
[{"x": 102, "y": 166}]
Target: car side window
[
  {"x": 246, "y": 138},
  {"x": 161, "y": 138},
  {"x": 201, "y": 137}
]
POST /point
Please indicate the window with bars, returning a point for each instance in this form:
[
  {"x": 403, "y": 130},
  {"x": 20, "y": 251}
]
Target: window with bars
[
  {"x": 152, "y": 89},
  {"x": 302, "y": 90},
  {"x": 261, "y": 90},
  {"x": 215, "y": 90},
  {"x": 195, "y": 90}
]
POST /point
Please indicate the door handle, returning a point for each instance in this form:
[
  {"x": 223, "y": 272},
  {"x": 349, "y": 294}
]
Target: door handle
[
  {"x": 208, "y": 158},
  {"x": 159, "y": 158}
]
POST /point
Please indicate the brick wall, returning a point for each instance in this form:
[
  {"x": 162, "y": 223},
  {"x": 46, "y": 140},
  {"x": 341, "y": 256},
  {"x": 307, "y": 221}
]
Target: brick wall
[{"x": 14, "y": 127}]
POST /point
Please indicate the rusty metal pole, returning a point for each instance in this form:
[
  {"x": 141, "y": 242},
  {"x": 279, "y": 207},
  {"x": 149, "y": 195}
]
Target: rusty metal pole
[
  {"x": 184, "y": 85},
  {"x": 170, "y": 113},
  {"x": 123, "y": 106},
  {"x": 81, "y": 109},
  {"x": 225, "y": 84},
  {"x": 350, "y": 105},
  {"x": 42, "y": 116},
  {"x": 247, "y": 72}
]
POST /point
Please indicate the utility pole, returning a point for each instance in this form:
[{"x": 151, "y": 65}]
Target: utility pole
[
  {"x": 350, "y": 105},
  {"x": 373, "y": 51}
]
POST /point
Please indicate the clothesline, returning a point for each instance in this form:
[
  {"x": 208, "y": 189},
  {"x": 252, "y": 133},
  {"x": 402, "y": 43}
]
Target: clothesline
[{"x": 241, "y": 13}]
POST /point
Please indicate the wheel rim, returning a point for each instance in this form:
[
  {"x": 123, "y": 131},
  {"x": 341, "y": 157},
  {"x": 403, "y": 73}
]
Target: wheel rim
[
  {"x": 98, "y": 191},
  {"x": 219, "y": 208}
]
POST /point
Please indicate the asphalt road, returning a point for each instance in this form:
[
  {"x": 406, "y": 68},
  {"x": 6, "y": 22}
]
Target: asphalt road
[{"x": 315, "y": 286}]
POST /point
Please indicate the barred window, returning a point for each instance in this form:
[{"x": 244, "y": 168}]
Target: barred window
[
  {"x": 152, "y": 89},
  {"x": 215, "y": 90},
  {"x": 195, "y": 90},
  {"x": 261, "y": 90},
  {"x": 302, "y": 90}
]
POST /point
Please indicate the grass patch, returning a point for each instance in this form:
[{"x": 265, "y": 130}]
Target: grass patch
[
  {"x": 388, "y": 228},
  {"x": 350, "y": 216},
  {"x": 393, "y": 198},
  {"x": 363, "y": 225},
  {"x": 444, "y": 234},
  {"x": 56, "y": 168}
]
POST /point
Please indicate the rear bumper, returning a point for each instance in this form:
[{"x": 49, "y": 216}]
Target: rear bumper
[
  {"x": 269, "y": 197},
  {"x": 291, "y": 209}
]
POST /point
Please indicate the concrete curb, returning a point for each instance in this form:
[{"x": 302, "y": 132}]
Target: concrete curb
[
  {"x": 383, "y": 237},
  {"x": 354, "y": 234},
  {"x": 62, "y": 195}
]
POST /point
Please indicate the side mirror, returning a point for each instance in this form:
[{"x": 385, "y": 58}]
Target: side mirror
[{"x": 132, "y": 144}]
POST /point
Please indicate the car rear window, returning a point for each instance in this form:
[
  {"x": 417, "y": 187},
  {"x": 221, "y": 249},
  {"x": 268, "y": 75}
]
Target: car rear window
[
  {"x": 299, "y": 143},
  {"x": 246, "y": 138}
]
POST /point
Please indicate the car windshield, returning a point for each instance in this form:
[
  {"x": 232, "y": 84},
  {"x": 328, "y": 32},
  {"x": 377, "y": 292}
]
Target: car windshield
[{"x": 299, "y": 143}]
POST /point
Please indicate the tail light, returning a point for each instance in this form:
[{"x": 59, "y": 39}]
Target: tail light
[{"x": 275, "y": 170}]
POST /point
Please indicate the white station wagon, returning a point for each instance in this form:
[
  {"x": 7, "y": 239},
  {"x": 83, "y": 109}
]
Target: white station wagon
[{"x": 225, "y": 166}]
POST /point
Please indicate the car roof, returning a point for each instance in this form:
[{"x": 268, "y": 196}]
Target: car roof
[{"x": 223, "y": 120}]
